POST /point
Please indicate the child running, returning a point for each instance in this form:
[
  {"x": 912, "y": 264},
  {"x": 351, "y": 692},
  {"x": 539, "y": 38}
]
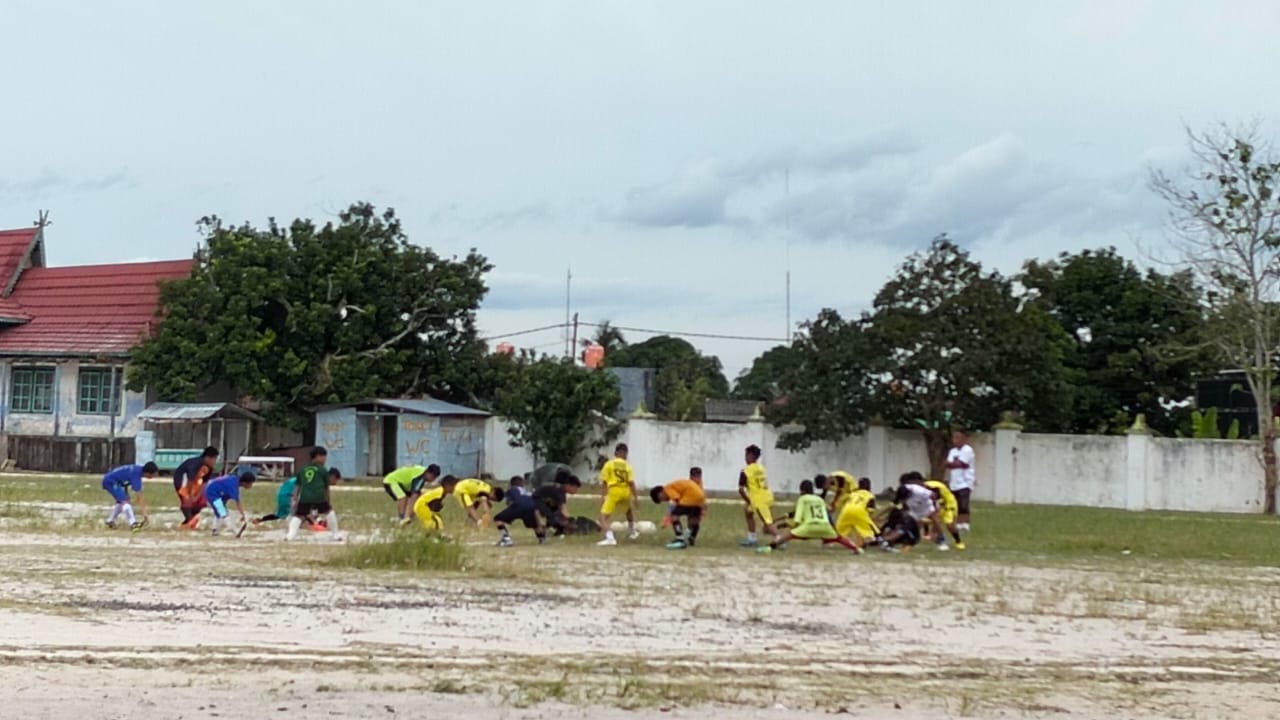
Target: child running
[
  {"x": 118, "y": 483},
  {"x": 219, "y": 491},
  {"x": 311, "y": 496},
  {"x": 619, "y": 481},
  {"x": 430, "y": 503},
  {"x": 811, "y": 523},
  {"x": 546, "y": 507},
  {"x": 854, "y": 520},
  {"x": 753, "y": 488},
  {"x": 687, "y": 500},
  {"x": 474, "y": 494},
  {"x": 406, "y": 483}
]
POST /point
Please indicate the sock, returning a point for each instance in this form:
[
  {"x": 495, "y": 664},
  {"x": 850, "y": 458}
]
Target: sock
[
  {"x": 631, "y": 525},
  {"x": 751, "y": 537},
  {"x": 115, "y": 513},
  {"x": 608, "y": 535},
  {"x": 693, "y": 533},
  {"x": 542, "y": 537},
  {"x": 332, "y": 517},
  {"x": 127, "y": 509},
  {"x": 295, "y": 523},
  {"x": 505, "y": 534},
  {"x": 678, "y": 528}
]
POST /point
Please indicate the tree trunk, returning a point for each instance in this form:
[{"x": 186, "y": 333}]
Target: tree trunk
[
  {"x": 937, "y": 443},
  {"x": 1269, "y": 469}
]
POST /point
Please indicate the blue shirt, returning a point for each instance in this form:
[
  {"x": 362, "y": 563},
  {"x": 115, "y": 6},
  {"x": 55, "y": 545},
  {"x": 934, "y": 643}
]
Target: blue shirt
[
  {"x": 224, "y": 488},
  {"x": 125, "y": 476}
]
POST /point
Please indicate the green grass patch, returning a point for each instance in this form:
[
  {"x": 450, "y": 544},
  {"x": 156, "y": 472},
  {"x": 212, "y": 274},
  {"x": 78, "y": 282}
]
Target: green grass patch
[{"x": 408, "y": 549}]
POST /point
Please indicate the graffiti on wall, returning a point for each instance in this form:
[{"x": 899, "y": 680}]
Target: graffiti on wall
[{"x": 331, "y": 434}]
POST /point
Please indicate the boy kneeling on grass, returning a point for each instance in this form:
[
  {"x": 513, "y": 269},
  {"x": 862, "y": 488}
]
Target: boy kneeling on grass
[
  {"x": 546, "y": 507},
  {"x": 687, "y": 500},
  {"x": 118, "y": 483},
  {"x": 811, "y": 523},
  {"x": 430, "y": 503},
  {"x": 219, "y": 491}
]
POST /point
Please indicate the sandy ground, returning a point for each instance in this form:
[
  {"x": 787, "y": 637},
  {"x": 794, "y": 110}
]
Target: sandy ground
[{"x": 170, "y": 626}]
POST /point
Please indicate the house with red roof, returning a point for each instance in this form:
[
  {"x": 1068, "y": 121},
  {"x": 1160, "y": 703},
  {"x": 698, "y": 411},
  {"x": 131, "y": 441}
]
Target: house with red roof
[{"x": 65, "y": 337}]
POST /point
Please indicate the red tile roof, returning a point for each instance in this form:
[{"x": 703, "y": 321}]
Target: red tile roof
[
  {"x": 86, "y": 310},
  {"x": 14, "y": 245}
]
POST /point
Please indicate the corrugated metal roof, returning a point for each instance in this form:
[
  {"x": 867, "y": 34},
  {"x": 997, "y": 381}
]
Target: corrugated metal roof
[
  {"x": 88, "y": 309},
  {"x": 195, "y": 412},
  {"x": 421, "y": 406}
]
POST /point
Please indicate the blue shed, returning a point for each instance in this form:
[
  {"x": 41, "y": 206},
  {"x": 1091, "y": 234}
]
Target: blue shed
[{"x": 370, "y": 438}]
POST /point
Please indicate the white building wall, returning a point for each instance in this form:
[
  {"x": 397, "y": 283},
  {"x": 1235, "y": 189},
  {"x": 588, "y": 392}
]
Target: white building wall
[{"x": 65, "y": 420}]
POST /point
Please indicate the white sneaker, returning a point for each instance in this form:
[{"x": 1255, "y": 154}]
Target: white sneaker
[
  {"x": 633, "y": 535},
  {"x": 943, "y": 547},
  {"x": 607, "y": 542},
  {"x": 506, "y": 541}
]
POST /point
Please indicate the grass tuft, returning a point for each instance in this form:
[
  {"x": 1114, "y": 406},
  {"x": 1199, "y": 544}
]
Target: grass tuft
[{"x": 408, "y": 549}]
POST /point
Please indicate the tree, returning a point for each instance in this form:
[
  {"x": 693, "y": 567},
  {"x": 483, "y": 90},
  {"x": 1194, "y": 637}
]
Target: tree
[
  {"x": 828, "y": 382},
  {"x": 300, "y": 316},
  {"x": 555, "y": 406},
  {"x": 962, "y": 349},
  {"x": 1128, "y": 329},
  {"x": 1225, "y": 229},
  {"x": 608, "y": 337},
  {"x": 764, "y": 379},
  {"x": 685, "y": 378}
]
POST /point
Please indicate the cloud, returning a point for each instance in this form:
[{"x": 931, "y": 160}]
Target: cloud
[{"x": 50, "y": 182}]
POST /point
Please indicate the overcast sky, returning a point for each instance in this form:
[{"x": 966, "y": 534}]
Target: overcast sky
[{"x": 647, "y": 144}]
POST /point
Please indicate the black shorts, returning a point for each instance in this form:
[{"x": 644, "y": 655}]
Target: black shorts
[
  {"x": 962, "y": 500},
  {"x": 689, "y": 511},
  {"x": 320, "y": 508},
  {"x": 523, "y": 512}
]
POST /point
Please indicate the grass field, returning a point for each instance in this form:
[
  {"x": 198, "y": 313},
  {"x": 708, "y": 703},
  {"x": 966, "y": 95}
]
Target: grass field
[{"x": 1052, "y": 611}]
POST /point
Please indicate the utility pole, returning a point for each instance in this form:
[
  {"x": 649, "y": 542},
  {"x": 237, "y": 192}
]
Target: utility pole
[
  {"x": 787, "y": 230},
  {"x": 575, "y": 332},
  {"x": 568, "y": 291}
]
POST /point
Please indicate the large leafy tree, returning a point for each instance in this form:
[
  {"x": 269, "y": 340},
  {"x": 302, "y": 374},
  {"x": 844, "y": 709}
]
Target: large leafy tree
[
  {"x": 1131, "y": 332},
  {"x": 765, "y": 378},
  {"x": 556, "y": 408},
  {"x": 828, "y": 383},
  {"x": 300, "y": 315},
  {"x": 1225, "y": 228},
  {"x": 961, "y": 349},
  {"x": 685, "y": 377}
]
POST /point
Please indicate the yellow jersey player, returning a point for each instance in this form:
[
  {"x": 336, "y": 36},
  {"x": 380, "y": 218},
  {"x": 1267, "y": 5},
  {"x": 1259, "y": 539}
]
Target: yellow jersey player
[
  {"x": 753, "y": 488},
  {"x": 835, "y": 489},
  {"x": 474, "y": 494},
  {"x": 619, "y": 483},
  {"x": 948, "y": 509},
  {"x": 430, "y": 503},
  {"x": 854, "y": 520}
]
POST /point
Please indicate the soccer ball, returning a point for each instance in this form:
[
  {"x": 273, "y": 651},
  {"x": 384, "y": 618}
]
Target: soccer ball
[{"x": 644, "y": 527}]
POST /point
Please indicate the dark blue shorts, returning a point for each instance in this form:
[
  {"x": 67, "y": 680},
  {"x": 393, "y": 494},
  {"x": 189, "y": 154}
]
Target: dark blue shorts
[{"x": 120, "y": 494}]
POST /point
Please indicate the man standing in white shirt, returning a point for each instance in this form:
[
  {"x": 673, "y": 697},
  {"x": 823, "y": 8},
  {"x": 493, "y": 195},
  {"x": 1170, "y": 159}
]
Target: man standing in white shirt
[{"x": 960, "y": 476}]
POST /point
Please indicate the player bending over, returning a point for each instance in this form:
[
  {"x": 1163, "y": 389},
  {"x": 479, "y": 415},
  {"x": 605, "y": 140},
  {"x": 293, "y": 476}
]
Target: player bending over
[
  {"x": 118, "y": 483},
  {"x": 546, "y": 507},
  {"x": 854, "y": 520},
  {"x": 913, "y": 505},
  {"x": 284, "y": 500},
  {"x": 188, "y": 482},
  {"x": 219, "y": 491},
  {"x": 619, "y": 481},
  {"x": 811, "y": 523},
  {"x": 946, "y": 515},
  {"x": 687, "y": 500},
  {"x": 477, "y": 497},
  {"x": 405, "y": 484},
  {"x": 753, "y": 488},
  {"x": 311, "y": 496},
  {"x": 430, "y": 504}
]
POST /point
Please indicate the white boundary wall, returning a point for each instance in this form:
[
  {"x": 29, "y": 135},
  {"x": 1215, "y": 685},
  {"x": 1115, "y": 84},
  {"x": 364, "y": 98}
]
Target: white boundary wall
[{"x": 1135, "y": 472}]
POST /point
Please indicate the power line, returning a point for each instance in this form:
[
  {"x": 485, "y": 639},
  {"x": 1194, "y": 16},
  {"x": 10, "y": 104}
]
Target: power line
[
  {"x": 676, "y": 333},
  {"x": 544, "y": 328}
]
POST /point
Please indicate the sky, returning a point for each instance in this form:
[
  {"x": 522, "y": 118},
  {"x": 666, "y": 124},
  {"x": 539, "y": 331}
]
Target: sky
[{"x": 678, "y": 157}]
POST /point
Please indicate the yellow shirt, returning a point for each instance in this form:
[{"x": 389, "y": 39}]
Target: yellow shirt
[
  {"x": 842, "y": 484},
  {"x": 469, "y": 491},
  {"x": 617, "y": 474},
  {"x": 757, "y": 481},
  {"x": 435, "y": 494},
  {"x": 861, "y": 499},
  {"x": 946, "y": 498}
]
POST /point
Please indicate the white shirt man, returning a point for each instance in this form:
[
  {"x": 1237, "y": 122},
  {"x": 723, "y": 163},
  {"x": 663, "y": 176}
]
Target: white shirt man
[
  {"x": 960, "y": 476},
  {"x": 919, "y": 502}
]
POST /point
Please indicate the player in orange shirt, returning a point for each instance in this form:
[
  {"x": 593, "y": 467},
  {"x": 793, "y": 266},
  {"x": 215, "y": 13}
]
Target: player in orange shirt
[{"x": 687, "y": 500}]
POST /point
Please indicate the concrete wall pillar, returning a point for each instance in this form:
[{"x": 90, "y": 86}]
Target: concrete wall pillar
[
  {"x": 1005, "y": 463},
  {"x": 877, "y": 439},
  {"x": 1139, "y": 444}
]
